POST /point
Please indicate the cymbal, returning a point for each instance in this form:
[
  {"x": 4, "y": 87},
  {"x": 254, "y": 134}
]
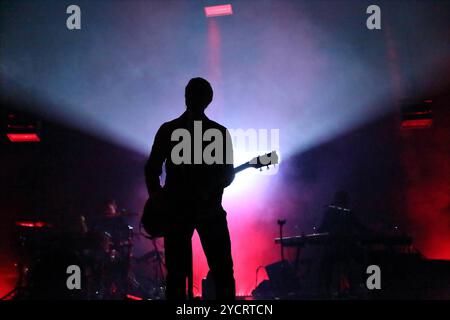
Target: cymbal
[
  {"x": 151, "y": 255},
  {"x": 127, "y": 213}
]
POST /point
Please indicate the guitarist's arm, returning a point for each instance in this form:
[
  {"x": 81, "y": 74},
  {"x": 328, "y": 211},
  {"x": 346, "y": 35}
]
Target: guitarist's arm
[
  {"x": 228, "y": 174},
  {"x": 153, "y": 167},
  {"x": 223, "y": 174}
]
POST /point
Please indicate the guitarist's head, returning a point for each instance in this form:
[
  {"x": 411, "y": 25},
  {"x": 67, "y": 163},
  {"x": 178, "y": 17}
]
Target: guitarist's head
[{"x": 198, "y": 95}]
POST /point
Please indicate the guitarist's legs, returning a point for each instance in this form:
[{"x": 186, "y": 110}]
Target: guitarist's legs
[
  {"x": 177, "y": 247},
  {"x": 215, "y": 239}
]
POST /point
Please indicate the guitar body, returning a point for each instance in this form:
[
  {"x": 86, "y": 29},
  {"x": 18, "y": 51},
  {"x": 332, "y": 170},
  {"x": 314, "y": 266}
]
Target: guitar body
[{"x": 156, "y": 216}]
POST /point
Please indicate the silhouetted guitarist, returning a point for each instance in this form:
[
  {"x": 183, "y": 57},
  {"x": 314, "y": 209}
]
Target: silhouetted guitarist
[{"x": 194, "y": 194}]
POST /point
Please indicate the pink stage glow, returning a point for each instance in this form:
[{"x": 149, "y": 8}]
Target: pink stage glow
[
  {"x": 252, "y": 224},
  {"x": 220, "y": 10},
  {"x": 8, "y": 275}
]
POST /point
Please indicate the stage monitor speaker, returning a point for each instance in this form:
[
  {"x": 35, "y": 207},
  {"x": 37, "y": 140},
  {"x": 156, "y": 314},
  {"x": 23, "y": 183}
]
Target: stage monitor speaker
[{"x": 284, "y": 281}]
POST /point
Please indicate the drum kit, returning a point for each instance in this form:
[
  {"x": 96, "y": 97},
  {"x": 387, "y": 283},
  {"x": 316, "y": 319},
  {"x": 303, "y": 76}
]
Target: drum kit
[{"x": 108, "y": 268}]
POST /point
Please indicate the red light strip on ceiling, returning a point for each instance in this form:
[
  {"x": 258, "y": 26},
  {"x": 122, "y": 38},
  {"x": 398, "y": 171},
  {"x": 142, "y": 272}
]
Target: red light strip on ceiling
[{"x": 220, "y": 10}]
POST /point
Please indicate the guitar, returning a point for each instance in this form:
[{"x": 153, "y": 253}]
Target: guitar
[{"x": 156, "y": 216}]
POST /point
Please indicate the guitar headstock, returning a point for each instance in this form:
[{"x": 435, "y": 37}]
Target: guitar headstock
[{"x": 265, "y": 160}]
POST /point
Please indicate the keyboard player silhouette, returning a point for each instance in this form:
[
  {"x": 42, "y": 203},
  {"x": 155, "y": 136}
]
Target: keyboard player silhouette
[{"x": 337, "y": 274}]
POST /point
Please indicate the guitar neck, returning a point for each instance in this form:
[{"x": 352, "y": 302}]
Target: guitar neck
[
  {"x": 259, "y": 162},
  {"x": 242, "y": 167}
]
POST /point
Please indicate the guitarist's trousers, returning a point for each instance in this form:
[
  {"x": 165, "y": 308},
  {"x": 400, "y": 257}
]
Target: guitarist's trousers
[{"x": 215, "y": 240}]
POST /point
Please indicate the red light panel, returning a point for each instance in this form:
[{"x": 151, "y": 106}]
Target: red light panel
[
  {"x": 220, "y": 10},
  {"x": 23, "y": 137},
  {"x": 417, "y": 123},
  {"x": 32, "y": 224}
]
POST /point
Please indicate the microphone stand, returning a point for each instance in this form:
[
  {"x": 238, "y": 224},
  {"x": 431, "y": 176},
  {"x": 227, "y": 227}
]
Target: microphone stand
[{"x": 281, "y": 223}]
